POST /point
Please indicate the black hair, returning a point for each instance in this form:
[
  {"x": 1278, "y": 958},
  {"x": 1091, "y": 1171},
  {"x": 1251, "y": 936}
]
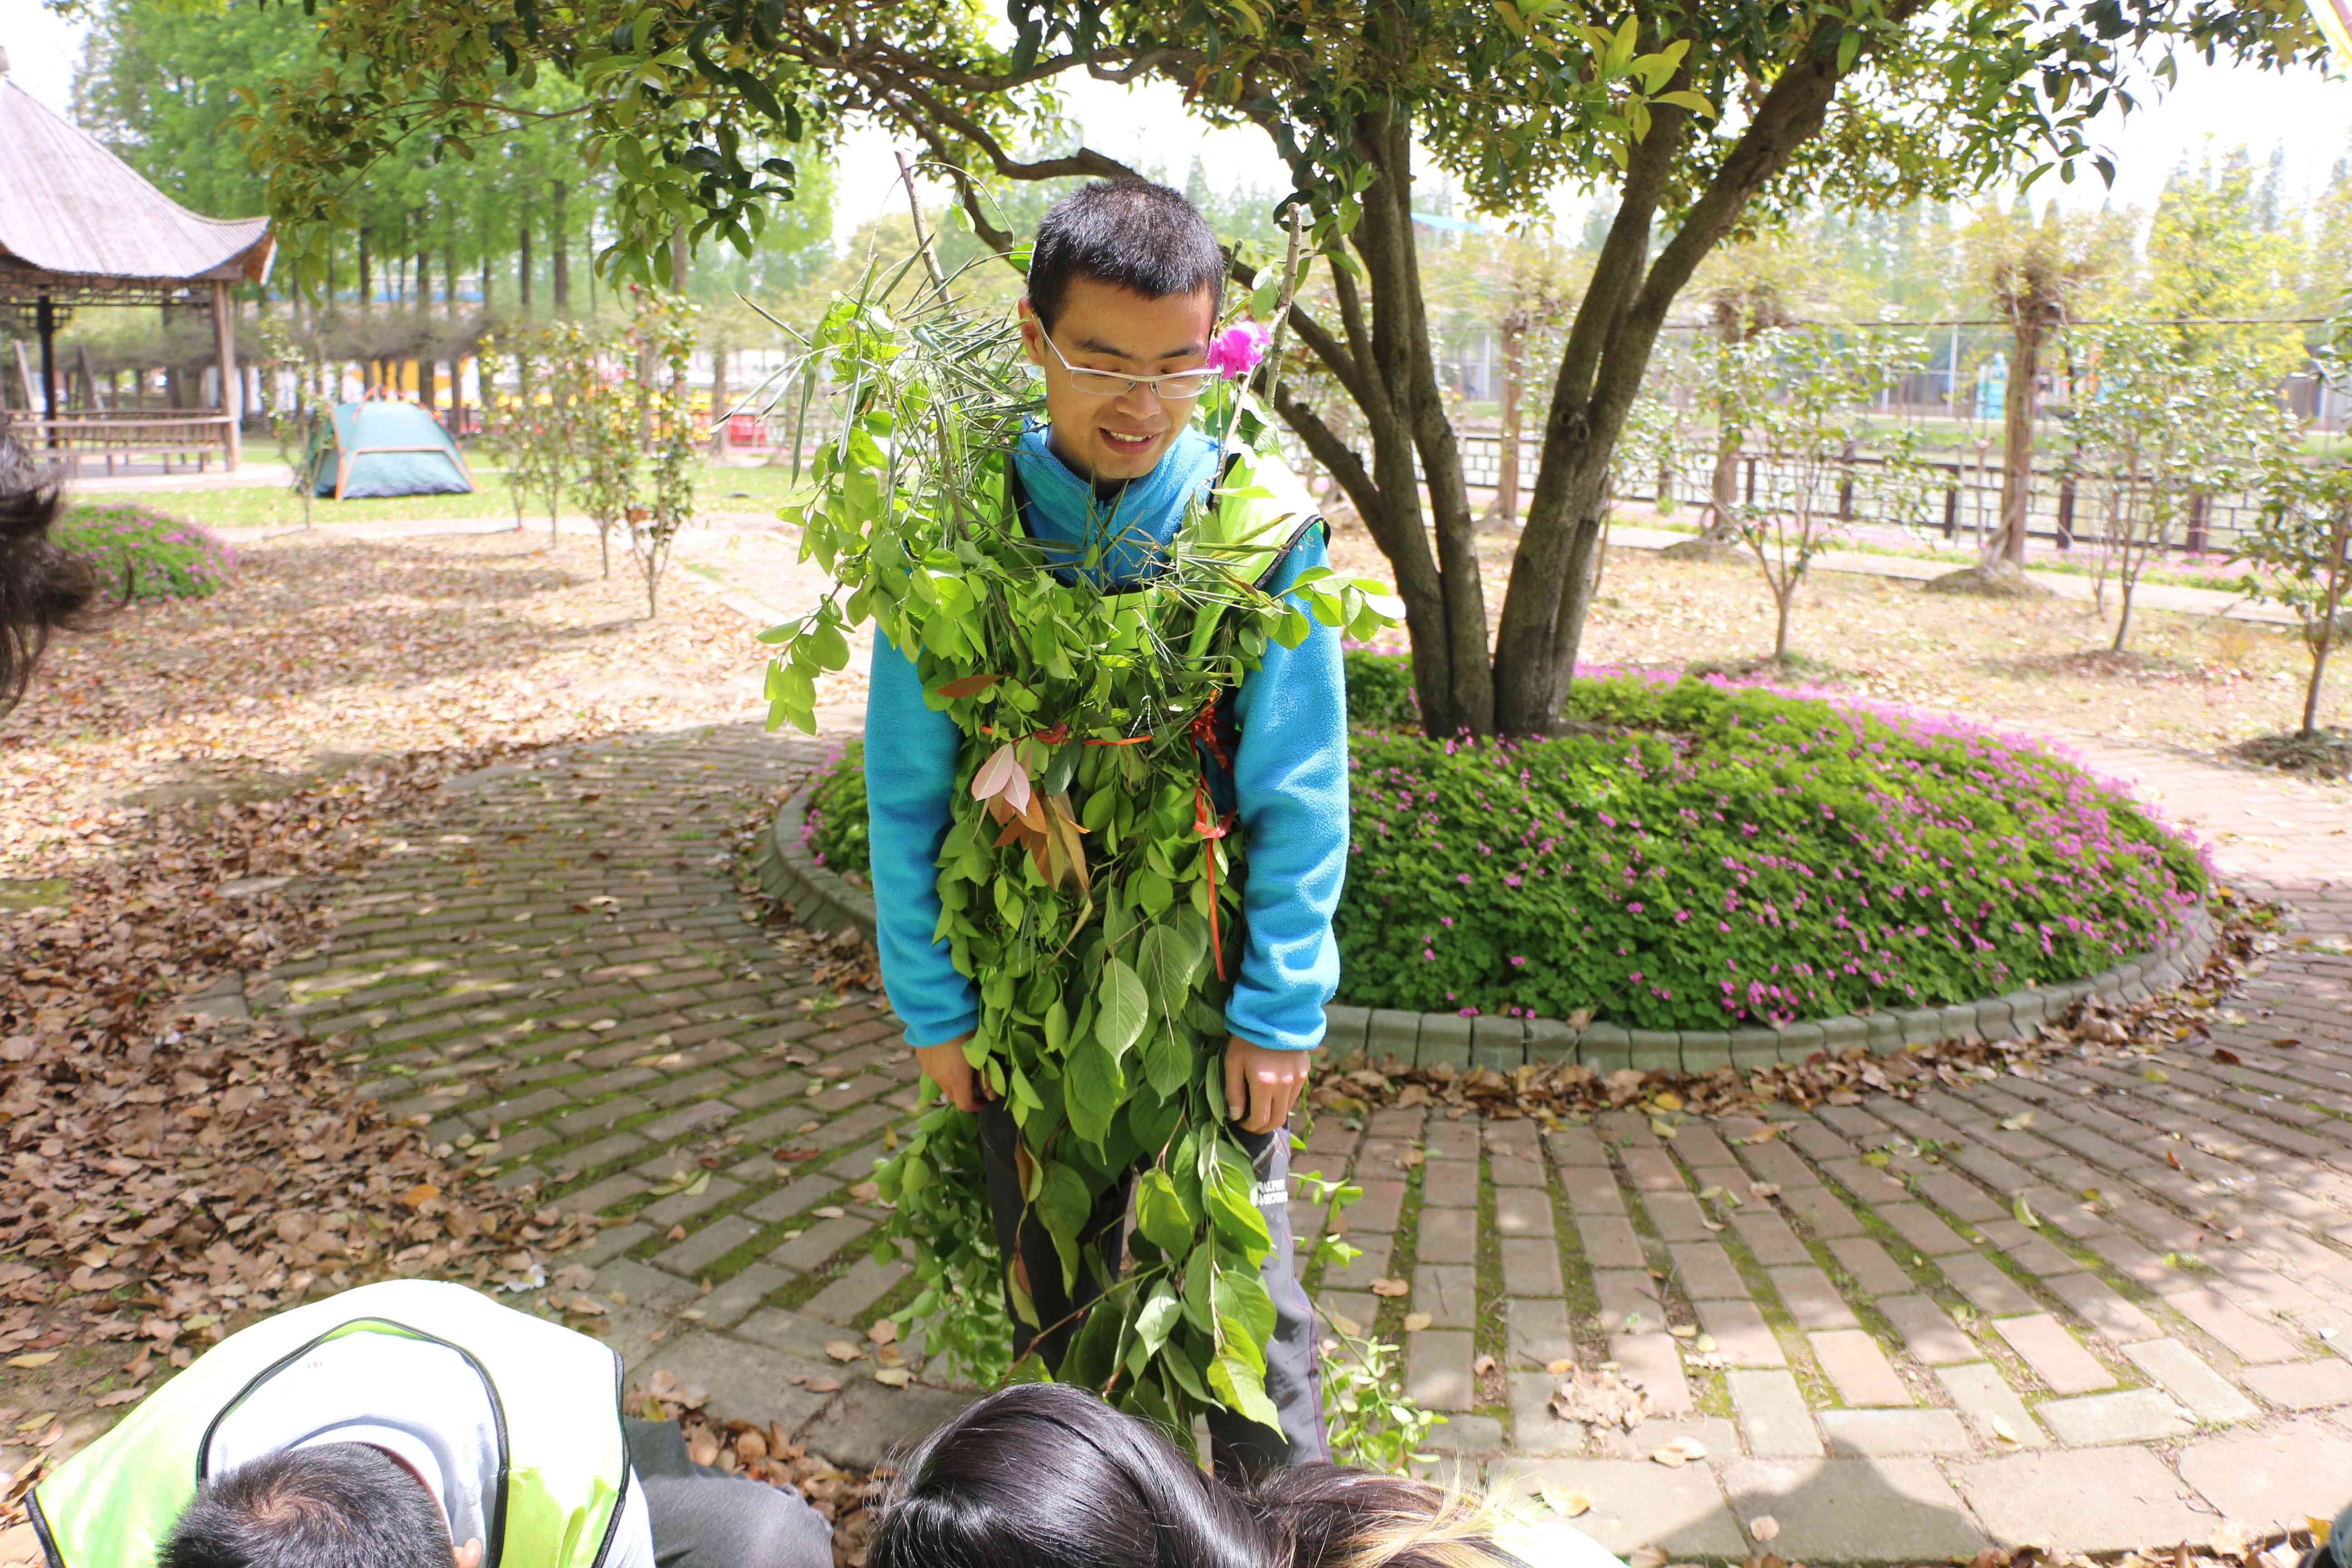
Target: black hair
[
  {"x": 44, "y": 588},
  {"x": 1131, "y": 233},
  {"x": 1047, "y": 1476},
  {"x": 339, "y": 1505}
]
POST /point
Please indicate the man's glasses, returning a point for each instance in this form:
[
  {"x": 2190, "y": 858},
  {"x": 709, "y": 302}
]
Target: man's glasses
[{"x": 1180, "y": 387}]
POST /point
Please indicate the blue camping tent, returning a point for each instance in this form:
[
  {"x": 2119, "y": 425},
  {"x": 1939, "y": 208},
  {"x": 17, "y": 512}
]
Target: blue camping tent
[{"x": 388, "y": 448}]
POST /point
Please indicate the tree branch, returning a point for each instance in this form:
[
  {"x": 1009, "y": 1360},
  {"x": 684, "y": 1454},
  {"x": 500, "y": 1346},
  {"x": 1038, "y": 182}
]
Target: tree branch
[{"x": 1332, "y": 452}]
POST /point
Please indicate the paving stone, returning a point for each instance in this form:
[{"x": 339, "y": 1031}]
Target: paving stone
[
  {"x": 1577, "y": 1148},
  {"x": 2056, "y": 1357},
  {"x": 1773, "y": 1413},
  {"x": 1371, "y": 1263},
  {"x": 1768, "y": 1239},
  {"x": 1535, "y": 1430},
  {"x": 1928, "y": 1330},
  {"x": 1982, "y": 1395},
  {"x": 1447, "y": 1235},
  {"x": 1811, "y": 1299},
  {"x": 2111, "y": 1500},
  {"x": 1859, "y": 1368},
  {"x": 1677, "y": 1216},
  {"x": 1437, "y": 1369},
  {"x": 1637, "y": 1503},
  {"x": 2029, "y": 1249},
  {"x": 1877, "y": 1434},
  {"x": 1982, "y": 1280},
  {"x": 2302, "y": 1384},
  {"x": 1629, "y": 1301},
  {"x": 740, "y": 1296},
  {"x": 1591, "y": 1192},
  {"x": 1538, "y": 1333},
  {"x": 1742, "y": 1337},
  {"x": 1853, "y": 1510},
  {"x": 815, "y": 1245},
  {"x": 1927, "y": 1235},
  {"x": 1821, "y": 1212},
  {"x": 1507, "y": 1172},
  {"x": 707, "y": 1245},
  {"x": 1877, "y": 1274},
  {"x": 1610, "y": 1243},
  {"x": 2109, "y": 1314},
  {"x": 740, "y": 1376},
  {"x": 2276, "y": 1476},
  {"x": 1468, "y": 1438},
  {"x": 1351, "y": 1312},
  {"x": 1523, "y": 1211},
  {"x": 2238, "y": 1330},
  {"x": 1705, "y": 1273},
  {"x": 1531, "y": 1266},
  {"x": 1960, "y": 1198},
  {"x": 1376, "y": 1209},
  {"x": 863, "y": 1284},
  {"x": 1653, "y": 1171},
  {"x": 868, "y": 1419},
  {"x": 2135, "y": 1415},
  {"x": 2191, "y": 1379},
  {"x": 1656, "y": 1363},
  {"x": 683, "y": 1206},
  {"x": 1449, "y": 1185},
  {"x": 1448, "y": 1292}
]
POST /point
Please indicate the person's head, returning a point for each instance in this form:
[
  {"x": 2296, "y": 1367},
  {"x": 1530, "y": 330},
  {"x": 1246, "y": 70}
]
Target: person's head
[
  {"x": 334, "y": 1505},
  {"x": 1124, "y": 276},
  {"x": 43, "y": 587},
  {"x": 1047, "y": 1476}
]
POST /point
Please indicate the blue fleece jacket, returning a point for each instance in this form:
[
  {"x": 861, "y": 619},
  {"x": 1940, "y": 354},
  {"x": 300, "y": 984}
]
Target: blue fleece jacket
[{"x": 1290, "y": 787}]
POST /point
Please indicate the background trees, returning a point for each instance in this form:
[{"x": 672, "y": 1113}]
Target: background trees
[{"x": 1704, "y": 119}]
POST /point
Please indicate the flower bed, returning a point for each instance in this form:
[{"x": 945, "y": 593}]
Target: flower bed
[
  {"x": 164, "y": 557},
  {"x": 1709, "y": 855}
]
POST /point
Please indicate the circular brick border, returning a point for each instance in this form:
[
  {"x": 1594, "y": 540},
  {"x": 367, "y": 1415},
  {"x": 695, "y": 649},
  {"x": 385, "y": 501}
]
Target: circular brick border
[{"x": 825, "y": 902}]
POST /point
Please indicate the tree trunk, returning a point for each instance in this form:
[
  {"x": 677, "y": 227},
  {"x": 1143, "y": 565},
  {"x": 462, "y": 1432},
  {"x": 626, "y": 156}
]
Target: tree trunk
[
  {"x": 721, "y": 432},
  {"x": 1782, "y": 599},
  {"x": 2017, "y": 419},
  {"x": 559, "y": 256},
  {"x": 1505, "y": 509},
  {"x": 2339, "y": 539},
  {"x": 522, "y": 265},
  {"x": 367, "y": 286}
]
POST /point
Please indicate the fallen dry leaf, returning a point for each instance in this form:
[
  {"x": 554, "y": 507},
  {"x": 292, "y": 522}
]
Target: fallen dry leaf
[
  {"x": 842, "y": 1350},
  {"x": 1562, "y": 1501},
  {"x": 892, "y": 1376},
  {"x": 1764, "y": 1527},
  {"x": 1416, "y": 1321},
  {"x": 1389, "y": 1287}
]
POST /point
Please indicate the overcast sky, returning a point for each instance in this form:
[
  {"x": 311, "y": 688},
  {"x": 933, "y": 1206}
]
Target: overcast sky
[{"x": 2219, "y": 107}]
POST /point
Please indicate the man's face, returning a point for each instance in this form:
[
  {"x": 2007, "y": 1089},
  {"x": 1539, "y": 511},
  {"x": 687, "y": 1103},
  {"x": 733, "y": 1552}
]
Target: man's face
[{"x": 1108, "y": 437}]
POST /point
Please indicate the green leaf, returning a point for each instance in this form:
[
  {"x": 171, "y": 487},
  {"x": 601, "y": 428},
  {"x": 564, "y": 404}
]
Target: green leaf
[
  {"x": 1092, "y": 1091},
  {"x": 1122, "y": 1009},
  {"x": 1157, "y": 1318},
  {"x": 1242, "y": 1391},
  {"x": 1695, "y": 102},
  {"x": 1160, "y": 1215}
]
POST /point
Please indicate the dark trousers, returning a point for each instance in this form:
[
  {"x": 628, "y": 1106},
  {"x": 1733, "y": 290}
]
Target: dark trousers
[
  {"x": 1292, "y": 1382},
  {"x": 704, "y": 1518}
]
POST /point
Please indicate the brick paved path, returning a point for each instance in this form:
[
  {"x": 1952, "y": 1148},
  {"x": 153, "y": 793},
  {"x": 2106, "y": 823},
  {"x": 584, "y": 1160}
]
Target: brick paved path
[{"x": 1848, "y": 1315}]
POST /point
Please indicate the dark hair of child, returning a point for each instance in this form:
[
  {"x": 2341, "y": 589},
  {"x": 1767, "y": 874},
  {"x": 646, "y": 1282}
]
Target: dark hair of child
[
  {"x": 1129, "y": 233},
  {"x": 1047, "y": 1476},
  {"x": 340, "y": 1505},
  {"x": 43, "y": 587}
]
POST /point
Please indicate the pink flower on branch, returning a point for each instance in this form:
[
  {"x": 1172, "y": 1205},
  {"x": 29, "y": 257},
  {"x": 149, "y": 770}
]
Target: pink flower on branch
[{"x": 1235, "y": 352}]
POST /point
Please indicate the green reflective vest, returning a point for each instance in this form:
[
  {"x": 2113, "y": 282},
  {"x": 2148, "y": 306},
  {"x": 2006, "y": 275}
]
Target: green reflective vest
[{"x": 562, "y": 1466}]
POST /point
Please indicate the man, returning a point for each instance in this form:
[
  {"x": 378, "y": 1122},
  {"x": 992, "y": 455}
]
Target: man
[
  {"x": 407, "y": 1425},
  {"x": 1124, "y": 283}
]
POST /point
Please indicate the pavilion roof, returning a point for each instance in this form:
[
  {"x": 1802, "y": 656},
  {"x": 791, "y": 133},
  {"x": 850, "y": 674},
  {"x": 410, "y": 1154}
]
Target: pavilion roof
[{"x": 69, "y": 206}]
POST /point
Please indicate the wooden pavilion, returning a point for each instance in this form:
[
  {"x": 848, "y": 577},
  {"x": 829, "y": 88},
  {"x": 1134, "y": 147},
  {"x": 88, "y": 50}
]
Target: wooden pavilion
[{"x": 80, "y": 227}]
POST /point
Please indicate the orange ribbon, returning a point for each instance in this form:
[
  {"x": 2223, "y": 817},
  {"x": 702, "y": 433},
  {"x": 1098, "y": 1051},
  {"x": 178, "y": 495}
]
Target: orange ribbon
[{"x": 1204, "y": 733}]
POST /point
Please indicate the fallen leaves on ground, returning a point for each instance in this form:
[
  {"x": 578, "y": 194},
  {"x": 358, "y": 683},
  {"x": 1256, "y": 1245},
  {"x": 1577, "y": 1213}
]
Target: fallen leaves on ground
[
  {"x": 845, "y": 1499},
  {"x": 1600, "y": 1398}
]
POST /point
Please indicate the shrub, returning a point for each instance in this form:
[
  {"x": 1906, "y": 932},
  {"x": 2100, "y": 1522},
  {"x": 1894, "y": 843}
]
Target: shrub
[
  {"x": 1715, "y": 855},
  {"x": 834, "y": 827},
  {"x": 164, "y": 557},
  {"x": 1379, "y": 691},
  {"x": 1720, "y": 857}
]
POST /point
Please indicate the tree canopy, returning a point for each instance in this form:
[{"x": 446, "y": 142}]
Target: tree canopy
[{"x": 1705, "y": 120}]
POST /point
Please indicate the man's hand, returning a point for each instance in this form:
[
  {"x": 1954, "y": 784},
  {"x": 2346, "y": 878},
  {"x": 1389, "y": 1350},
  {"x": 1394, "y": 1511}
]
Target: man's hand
[
  {"x": 945, "y": 1065},
  {"x": 1261, "y": 1087}
]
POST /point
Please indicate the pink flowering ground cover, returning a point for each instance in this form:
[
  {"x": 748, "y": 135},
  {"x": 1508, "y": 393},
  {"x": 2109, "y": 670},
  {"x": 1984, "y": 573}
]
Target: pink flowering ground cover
[
  {"x": 1716, "y": 855},
  {"x": 160, "y": 556}
]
